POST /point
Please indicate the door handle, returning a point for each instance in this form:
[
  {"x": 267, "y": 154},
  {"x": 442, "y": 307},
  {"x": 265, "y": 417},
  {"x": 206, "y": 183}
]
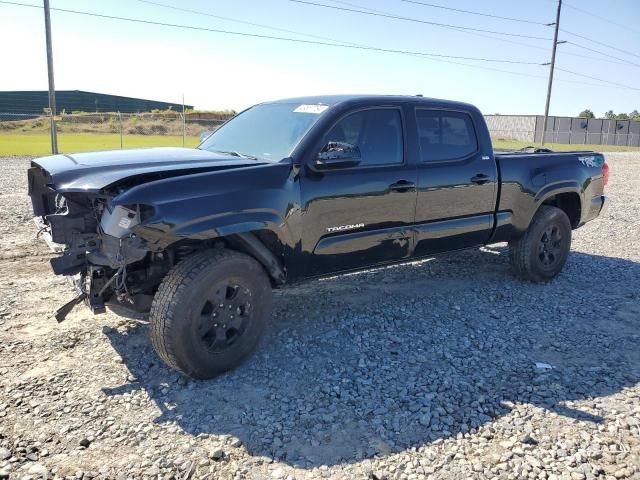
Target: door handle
[
  {"x": 480, "y": 179},
  {"x": 402, "y": 186}
]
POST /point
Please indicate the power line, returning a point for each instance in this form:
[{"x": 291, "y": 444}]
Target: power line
[
  {"x": 270, "y": 37},
  {"x": 471, "y": 12},
  {"x": 415, "y": 20},
  {"x": 201, "y": 12},
  {"x": 262, "y": 25},
  {"x": 601, "y": 18},
  {"x": 621, "y": 61},
  {"x": 244, "y": 22},
  {"x": 607, "y": 60},
  {"x": 599, "y": 43},
  {"x": 404, "y": 52},
  {"x": 578, "y": 45},
  {"x": 484, "y": 35},
  {"x": 598, "y": 79}
]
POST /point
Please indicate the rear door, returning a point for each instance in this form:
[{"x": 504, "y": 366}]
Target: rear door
[
  {"x": 457, "y": 182},
  {"x": 362, "y": 215}
]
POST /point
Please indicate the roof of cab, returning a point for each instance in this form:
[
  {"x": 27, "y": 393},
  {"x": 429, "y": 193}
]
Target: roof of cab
[{"x": 337, "y": 99}]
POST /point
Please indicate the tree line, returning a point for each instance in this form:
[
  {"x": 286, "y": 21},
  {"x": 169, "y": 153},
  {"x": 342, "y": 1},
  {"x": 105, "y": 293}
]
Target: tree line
[{"x": 610, "y": 115}]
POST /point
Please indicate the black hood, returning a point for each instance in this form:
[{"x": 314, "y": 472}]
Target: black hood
[{"x": 91, "y": 172}]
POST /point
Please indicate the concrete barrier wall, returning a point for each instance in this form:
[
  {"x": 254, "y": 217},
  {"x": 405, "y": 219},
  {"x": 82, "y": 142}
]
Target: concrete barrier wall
[
  {"x": 514, "y": 127},
  {"x": 566, "y": 130}
]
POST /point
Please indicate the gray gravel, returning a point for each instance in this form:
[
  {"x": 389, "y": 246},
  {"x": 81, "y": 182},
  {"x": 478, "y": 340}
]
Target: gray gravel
[{"x": 426, "y": 370}]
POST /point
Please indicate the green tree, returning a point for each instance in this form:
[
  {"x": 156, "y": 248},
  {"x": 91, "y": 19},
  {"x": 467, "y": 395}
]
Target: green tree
[
  {"x": 610, "y": 115},
  {"x": 622, "y": 116},
  {"x": 586, "y": 114},
  {"x": 635, "y": 115}
]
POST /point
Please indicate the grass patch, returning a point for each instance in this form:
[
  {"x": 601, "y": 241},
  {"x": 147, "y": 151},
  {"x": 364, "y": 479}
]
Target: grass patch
[
  {"x": 561, "y": 147},
  {"x": 40, "y": 144},
  {"x": 34, "y": 144}
]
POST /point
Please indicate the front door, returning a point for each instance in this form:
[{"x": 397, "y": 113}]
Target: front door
[
  {"x": 361, "y": 215},
  {"x": 457, "y": 183}
]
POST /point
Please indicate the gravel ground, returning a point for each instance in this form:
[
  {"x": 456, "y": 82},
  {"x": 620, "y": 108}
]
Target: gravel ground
[{"x": 426, "y": 370}]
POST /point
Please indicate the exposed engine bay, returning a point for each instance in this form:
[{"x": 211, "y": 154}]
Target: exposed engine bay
[{"x": 107, "y": 262}]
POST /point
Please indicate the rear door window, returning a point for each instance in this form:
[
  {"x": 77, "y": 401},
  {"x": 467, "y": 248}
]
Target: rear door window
[{"x": 445, "y": 135}]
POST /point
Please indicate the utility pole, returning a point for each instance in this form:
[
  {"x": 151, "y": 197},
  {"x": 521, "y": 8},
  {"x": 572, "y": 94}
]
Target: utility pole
[
  {"x": 553, "y": 64},
  {"x": 52, "y": 88}
]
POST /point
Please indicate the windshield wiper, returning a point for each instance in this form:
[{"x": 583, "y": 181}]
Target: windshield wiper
[{"x": 237, "y": 154}]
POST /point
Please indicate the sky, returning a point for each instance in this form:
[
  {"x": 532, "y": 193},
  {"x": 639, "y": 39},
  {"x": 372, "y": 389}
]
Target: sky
[{"x": 222, "y": 71}]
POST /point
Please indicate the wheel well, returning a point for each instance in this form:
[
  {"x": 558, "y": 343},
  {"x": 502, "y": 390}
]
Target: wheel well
[
  {"x": 569, "y": 203},
  {"x": 263, "y": 245}
]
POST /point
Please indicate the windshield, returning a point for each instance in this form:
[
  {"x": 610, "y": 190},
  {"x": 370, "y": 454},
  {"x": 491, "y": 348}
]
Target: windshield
[{"x": 268, "y": 131}]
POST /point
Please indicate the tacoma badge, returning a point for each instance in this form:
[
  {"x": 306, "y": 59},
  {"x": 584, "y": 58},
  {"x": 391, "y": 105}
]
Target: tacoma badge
[{"x": 341, "y": 228}]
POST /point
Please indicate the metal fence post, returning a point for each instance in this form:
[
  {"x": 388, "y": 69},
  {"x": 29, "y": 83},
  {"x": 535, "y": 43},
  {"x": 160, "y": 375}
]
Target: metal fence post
[
  {"x": 120, "y": 122},
  {"x": 53, "y": 132},
  {"x": 184, "y": 127}
]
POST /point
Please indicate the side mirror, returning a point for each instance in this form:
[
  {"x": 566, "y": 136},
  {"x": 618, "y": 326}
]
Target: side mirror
[
  {"x": 337, "y": 155},
  {"x": 204, "y": 135}
]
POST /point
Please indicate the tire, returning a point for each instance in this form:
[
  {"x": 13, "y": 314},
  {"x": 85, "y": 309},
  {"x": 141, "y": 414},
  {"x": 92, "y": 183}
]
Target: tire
[
  {"x": 209, "y": 312},
  {"x": 540, "y": 254}
]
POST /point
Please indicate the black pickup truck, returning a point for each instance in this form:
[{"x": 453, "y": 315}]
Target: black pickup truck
[{"x": 291, "y": 190}]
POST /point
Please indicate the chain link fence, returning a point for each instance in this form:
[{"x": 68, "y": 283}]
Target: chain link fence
[{"x": 30, "y": 133}]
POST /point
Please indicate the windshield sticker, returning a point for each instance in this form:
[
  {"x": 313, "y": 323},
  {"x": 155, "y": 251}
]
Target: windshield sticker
[{"x": 315, "y": 109}]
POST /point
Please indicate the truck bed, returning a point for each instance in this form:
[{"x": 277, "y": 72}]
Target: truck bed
[{"x": 528, "y": 179}]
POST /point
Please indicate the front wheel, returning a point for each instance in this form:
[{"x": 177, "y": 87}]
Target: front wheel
[
  {"x": 540, "y": 254},
  {"x": 209, "y": 312}
]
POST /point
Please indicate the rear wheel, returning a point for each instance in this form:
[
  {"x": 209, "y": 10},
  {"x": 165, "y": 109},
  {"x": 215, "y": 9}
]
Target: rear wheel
[
  {"x": 540, "y": 254},
  {"x": 209, "y": 312}
]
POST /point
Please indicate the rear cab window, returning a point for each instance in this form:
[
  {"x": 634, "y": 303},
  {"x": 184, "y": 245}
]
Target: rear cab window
[{"x": 445, "y": 135}]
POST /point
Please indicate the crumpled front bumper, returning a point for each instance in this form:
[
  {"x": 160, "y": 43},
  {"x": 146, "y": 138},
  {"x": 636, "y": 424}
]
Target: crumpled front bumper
[
  {"x": 45, "y": 234},
  {"x": 83, "y": 282}
]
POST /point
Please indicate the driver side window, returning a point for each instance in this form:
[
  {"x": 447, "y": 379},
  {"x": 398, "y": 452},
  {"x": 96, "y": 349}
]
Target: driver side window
[{"x": 376, "y": 132}]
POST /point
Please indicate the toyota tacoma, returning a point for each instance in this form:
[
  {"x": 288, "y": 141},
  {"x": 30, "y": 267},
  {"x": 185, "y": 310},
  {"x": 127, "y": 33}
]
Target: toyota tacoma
[{"x": 297, "y": 189}]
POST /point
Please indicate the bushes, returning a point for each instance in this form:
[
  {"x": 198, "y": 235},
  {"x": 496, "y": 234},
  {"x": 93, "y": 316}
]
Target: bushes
[
  {"x": 169, "y": 124},
  {"x": 158, "y": 128}
]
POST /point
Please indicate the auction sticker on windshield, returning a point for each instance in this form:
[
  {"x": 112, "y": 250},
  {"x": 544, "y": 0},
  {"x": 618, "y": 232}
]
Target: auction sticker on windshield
[{"x": 317, "y": 109}]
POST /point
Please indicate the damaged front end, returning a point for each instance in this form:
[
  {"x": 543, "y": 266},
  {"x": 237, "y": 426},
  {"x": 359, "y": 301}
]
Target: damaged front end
[
  {"x": 115, "y": 244},
  {"x": 98, "y": 251}
]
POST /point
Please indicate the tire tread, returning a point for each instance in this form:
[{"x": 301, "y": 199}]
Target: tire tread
[
  {"x": 163, "y": 314},
  {"x": 520, "y": 250}
]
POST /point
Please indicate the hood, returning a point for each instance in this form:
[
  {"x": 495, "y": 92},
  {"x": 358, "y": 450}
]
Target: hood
[{"x": 91, "y": 172}]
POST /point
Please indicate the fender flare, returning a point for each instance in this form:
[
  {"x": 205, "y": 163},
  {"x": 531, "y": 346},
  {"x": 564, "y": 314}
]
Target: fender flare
[
  {"x": 237, "y": 228},
  {"x": 524, "y": 216},
  {"x": 553, "y": 189},
  {"x": 229, "y": 223},
  {"x": 247, "y": 242}
]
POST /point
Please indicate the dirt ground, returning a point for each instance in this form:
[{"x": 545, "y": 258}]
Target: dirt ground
[{"x": 445, "y": 368}]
